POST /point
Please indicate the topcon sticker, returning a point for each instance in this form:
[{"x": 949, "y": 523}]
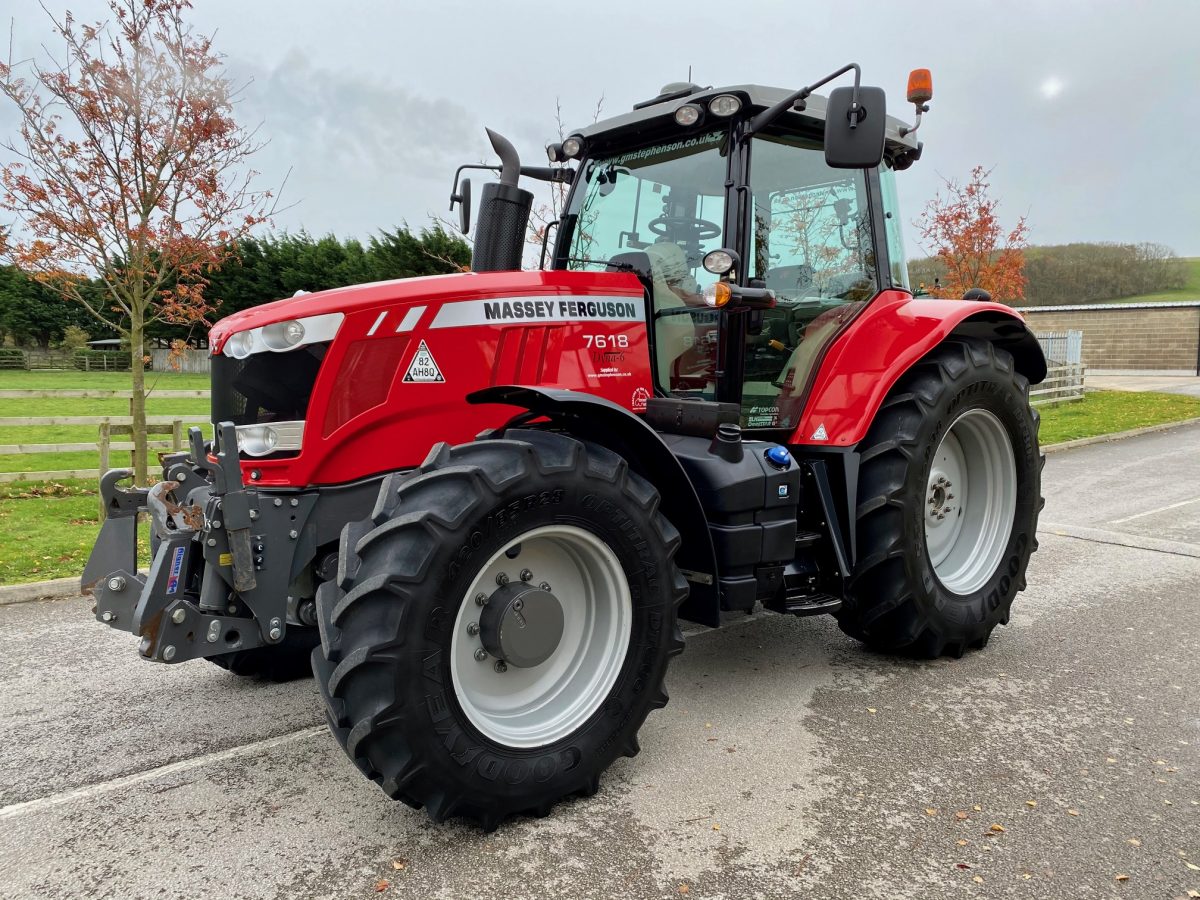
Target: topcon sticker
[{"x": 423, "y": 369}]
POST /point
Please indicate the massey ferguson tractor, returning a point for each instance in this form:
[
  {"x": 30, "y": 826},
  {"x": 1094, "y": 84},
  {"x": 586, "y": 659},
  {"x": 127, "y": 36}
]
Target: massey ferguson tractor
[{"x": 480, "y": 503}]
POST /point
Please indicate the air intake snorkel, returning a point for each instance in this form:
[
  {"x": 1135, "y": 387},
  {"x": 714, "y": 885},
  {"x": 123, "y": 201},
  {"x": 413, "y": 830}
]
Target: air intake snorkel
[{"x": 503, "y": 214}]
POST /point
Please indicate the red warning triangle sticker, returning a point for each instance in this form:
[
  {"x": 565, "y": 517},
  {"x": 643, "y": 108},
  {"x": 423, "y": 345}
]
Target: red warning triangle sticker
[{"x": 423, "y": 368}]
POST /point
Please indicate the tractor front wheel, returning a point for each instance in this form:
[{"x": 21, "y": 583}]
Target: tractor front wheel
[
  {"x": 948, "y": 498},
  {"x": 501, "y": 626}
]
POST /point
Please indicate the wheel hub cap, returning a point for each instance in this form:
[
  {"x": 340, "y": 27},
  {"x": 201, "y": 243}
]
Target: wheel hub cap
[{"x": 521, "y": 625}]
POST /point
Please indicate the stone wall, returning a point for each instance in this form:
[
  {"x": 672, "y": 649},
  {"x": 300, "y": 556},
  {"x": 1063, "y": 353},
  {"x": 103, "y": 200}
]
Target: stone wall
[{"x": 1129, "y": 338}]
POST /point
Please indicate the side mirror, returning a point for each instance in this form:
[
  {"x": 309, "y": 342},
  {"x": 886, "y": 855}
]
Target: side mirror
[
  {"x": 463, "y": 199},
  {"x": 854, "y": 136}
]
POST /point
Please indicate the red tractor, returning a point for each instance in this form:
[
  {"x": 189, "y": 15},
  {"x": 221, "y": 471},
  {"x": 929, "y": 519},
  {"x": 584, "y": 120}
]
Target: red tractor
[{"x": 482, "y": 502}]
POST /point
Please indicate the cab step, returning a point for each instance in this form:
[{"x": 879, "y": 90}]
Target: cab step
[{"x": 808, "y": 605}]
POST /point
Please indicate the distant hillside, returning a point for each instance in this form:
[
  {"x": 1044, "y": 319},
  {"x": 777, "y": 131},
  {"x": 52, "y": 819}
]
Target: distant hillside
[{"x": 1095, "y": 273}]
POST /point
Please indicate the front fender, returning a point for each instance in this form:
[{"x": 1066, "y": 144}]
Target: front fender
[
  {"x": 883, "y": 342},
  {"x": 612, "y": 426}
]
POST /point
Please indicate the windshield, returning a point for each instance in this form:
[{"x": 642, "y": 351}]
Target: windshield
[{"x": 660, "y": 209}]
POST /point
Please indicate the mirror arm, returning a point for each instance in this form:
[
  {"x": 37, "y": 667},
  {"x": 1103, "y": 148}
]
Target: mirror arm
[
  {"x": 454, "y": 194},
  {"x": 767, "y": 116}
]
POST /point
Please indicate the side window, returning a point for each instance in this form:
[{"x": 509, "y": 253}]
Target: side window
[
  {"x": 812, "y": 245},
  {"x": 894, "y": 228}
]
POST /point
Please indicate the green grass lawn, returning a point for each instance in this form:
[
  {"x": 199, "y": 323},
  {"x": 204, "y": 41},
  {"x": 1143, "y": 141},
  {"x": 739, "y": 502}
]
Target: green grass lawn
[
  {"x": 1106, "y": 412},
  {"x": 47, "y": 529}
]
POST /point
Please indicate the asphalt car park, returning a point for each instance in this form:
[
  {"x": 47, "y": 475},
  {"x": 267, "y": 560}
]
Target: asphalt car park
[{"x": 1062, "y": 761}]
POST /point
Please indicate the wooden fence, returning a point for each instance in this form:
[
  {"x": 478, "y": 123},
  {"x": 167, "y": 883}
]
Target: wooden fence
[
  {"x": 1063, "y": 384},
  {"x": 108, "y": 428}
]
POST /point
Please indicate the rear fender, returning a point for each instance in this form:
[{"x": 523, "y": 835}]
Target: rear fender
[
  {"x": 881, "y": 344},
  {"x": 603, "y": 422}
]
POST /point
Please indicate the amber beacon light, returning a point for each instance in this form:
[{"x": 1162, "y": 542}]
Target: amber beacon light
[{"x": 920, "y": 86}]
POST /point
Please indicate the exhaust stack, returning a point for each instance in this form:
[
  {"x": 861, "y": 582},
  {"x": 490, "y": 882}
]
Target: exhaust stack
[{"x": 503, "y": 214}]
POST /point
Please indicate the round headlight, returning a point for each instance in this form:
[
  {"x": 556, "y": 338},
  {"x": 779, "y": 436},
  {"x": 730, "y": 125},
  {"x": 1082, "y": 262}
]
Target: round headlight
[
  {"x": 283, "y": 335},
  {"x": 717, "y": 294},
  {"x": 572, "y": 147},
  {"x": 718, "y": 261},
  {"x": 240, "y": 344},
  {"x": 724, "y": 105},
  {"x": 688, "y": 114},
  {"x": 554, "y": 153},
  {"x": 257, "y": 440}
]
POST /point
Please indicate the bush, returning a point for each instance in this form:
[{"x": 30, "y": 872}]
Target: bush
[
  {"x": 102, "y": 360},
  {"x": 12, "y": 358},
  {"x": 74, "y": 338}
]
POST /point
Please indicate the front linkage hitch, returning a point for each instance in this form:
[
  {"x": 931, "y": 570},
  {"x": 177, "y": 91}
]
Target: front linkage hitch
[{"x": 223, "y": 556}]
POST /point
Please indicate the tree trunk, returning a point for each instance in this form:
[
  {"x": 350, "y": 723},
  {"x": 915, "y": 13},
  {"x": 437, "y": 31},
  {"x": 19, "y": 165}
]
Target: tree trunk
[{"x": 137, "y": 402}]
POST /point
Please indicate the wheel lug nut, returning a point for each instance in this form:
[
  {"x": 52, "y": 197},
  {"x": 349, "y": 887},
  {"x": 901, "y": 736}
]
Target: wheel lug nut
[
  {"x": 480, "y": 599},
  {"x": 502, "y": 579},
  {"x": 949, "y": 496},
  {"x": 526, "y": 575},
  {"x": 501, "y": 666},
  {"x": 473, "y": 628},
  {"x": 480, "y": 655},
  {"x": 545, "y": 586}
]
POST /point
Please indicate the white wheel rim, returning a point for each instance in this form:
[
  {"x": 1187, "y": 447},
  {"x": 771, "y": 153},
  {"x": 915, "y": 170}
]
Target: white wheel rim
[
  {"x": 970, "y": 501},
  {"x": 535, "y": 706}
]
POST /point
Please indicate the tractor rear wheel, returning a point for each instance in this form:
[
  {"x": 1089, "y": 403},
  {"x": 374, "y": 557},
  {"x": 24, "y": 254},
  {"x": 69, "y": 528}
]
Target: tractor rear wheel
[
  {"x": 501, "y": 626},
  {"x": 949, "y": 493}
]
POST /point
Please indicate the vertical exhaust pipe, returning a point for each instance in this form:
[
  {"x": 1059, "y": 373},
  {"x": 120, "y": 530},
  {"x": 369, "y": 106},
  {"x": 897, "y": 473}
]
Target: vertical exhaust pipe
[{"x": 503, "y": 214}]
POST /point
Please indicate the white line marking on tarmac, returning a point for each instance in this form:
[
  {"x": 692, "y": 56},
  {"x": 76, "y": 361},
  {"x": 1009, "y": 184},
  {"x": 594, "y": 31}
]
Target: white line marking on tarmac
[
  {"x": 1151, "y": 512},
  {"x": 86, "y": 792},
  {"x": 125, "y": 781}
]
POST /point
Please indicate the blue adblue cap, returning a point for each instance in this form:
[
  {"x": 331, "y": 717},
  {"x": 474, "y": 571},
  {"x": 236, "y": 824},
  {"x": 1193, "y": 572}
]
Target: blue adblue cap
[{"x": 779, "y": 457}]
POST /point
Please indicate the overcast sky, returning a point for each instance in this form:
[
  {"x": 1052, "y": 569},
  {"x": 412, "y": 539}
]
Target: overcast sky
[{"x": 1088, "y": 110}]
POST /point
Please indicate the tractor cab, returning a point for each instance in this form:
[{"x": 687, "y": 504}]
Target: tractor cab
[{"x": 760, "y": 220}]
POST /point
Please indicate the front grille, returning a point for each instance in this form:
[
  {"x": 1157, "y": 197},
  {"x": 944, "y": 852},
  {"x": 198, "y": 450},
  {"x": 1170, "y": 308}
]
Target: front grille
[{"x": 265, "y": 387}]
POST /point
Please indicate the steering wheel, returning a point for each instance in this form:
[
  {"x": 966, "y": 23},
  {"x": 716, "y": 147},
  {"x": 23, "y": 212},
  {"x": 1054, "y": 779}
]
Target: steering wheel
[{"x": 696, "y": 229}]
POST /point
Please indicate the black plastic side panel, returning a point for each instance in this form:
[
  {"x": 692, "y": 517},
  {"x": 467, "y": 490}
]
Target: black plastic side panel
[
  {"x": 595, "y": 419},
  {"x": 752, "y": 508}
]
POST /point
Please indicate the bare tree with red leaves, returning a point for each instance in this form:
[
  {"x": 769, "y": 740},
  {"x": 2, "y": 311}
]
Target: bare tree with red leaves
[
  {"x": 129, "y": 168},
  {"x": 963, "y": 231}
]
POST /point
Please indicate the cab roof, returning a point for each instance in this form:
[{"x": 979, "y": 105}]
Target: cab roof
[{"x": 659, "y": 112}]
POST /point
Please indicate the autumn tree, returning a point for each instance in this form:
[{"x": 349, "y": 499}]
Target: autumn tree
[
  {"x": 128, "y": 167},
  {"x": 962, "y": 230}
]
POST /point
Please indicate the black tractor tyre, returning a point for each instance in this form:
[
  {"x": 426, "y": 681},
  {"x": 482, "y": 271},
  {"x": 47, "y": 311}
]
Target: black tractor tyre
[
  {"x": 384, "y": 667},
  {"x": 288, "y": 660},
  {"x": 896, "y": 602}
]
